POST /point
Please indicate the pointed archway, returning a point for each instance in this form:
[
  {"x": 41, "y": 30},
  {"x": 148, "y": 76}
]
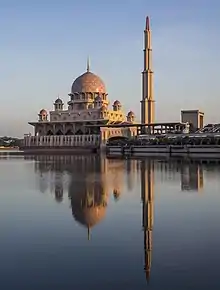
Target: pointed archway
[
  {"x": 79, "y": 132},
  {"x": 69, "y": 132},
  {"x": 49, "y": 133},
  {"x": 59, "y": 132}
]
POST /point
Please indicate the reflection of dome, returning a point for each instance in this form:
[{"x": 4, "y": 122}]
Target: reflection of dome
[
  {"x": 88, "y": 82},
  {"x": 116, "y": 194},
  {"x": 58, "y": 194},
  {"x": 88, "y": 208},
  {"x": 43, "y": 112},
  {"x": 89, "y": 217}
]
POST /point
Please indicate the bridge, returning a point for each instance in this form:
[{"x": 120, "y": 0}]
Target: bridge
[{"x": 153, "y": 128}]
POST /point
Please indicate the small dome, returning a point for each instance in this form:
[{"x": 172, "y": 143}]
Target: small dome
[
  {"x": 117, "y": 103},
  {"x": 131, "y": 114},
  {"x": 58, "y": 101},
  {"x": 88, "y": 83},
  {"x": 43, "y": 112}
]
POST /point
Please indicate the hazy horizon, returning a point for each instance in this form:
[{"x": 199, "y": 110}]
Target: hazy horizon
[{"x": 44, "y": 47}]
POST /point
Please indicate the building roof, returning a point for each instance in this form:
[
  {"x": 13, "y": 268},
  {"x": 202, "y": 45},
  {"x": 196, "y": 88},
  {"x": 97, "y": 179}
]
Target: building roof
[
  {"x": 131, "y": 113},
  {"x": 58, "y": 101},
  {"x": 117, "y": 103}
]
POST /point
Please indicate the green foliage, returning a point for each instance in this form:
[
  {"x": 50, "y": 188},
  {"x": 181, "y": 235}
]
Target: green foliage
[{"x": 10, "y": 141}]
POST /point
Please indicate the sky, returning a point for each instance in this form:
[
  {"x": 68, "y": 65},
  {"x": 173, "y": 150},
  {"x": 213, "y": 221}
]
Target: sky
[{"x": 45, "y": 45}]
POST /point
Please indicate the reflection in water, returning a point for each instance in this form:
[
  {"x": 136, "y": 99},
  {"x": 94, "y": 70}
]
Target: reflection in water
[
  {"x": 58, "y": 190},
  {"x": 92, "y": 180},
  {"x": 190, "y": 174},
  {"x": 192, "y": 177},
  {"x": 147, "y": 195}
]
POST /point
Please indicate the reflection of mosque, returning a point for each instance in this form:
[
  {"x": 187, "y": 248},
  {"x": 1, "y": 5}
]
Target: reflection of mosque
[
  {"x": 190, "y": 175},
  {"x": 93, "y": 179}
]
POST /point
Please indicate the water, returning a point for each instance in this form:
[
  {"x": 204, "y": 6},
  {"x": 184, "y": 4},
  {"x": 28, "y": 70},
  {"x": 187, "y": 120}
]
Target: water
[{"x": 89, "y": 223}]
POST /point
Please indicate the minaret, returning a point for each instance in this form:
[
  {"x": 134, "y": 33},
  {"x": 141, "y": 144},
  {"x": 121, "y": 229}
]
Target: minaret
[
  {"x": 147, "y": 102},
  {"x": 147, "y": 194}
]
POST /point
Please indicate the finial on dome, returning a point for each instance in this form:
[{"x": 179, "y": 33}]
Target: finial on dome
[
  {"x": 88, "y": 233},
  {"x": 147, "y": 23},
  {"x": 88, "y": 64}
]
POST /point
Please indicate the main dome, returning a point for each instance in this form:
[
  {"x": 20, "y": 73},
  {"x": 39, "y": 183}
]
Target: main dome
[{"x": 88, "y": 83}]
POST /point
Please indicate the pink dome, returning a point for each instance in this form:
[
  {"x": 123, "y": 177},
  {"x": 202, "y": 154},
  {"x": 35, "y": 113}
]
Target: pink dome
[
  {"x": 43, "y": 112},
  {"x": 88, "y": 83}
]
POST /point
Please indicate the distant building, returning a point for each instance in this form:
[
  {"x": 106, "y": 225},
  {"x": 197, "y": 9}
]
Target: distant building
[{"x": 194, "y": 117}]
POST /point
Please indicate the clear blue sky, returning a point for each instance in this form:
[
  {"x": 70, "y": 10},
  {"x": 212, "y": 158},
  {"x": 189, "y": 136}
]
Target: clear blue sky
[{"x": 44, "y": 46}]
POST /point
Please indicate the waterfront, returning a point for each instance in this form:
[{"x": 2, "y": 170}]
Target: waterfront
[{"x": 80, "y": 222}]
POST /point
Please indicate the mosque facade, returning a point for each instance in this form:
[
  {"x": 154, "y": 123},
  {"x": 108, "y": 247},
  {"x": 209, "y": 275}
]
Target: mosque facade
[{"x": 80, "y": 124}]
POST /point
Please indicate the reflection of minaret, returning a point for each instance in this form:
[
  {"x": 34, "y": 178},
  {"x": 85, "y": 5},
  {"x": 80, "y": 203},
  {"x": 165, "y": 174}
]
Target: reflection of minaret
[
  {"x": 147, "y": 194},
  {"x": 58, "y": 192},
  {"x": 147, "y": 102},
  {"x": 191, "y": 177},
  {"x": 130, "y": 168}
]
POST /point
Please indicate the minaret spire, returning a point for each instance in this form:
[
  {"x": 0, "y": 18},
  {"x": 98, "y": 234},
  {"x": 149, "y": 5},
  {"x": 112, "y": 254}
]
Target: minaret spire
[
  {"x": 88, "y": 64},
  {"x": 147, "y": 23},
  {"x": 147, "y": 102}
]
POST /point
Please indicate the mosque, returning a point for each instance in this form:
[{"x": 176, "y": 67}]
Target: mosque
[
  {"x": 80, "y": 124},
  {"x": 88, "y": 121}
]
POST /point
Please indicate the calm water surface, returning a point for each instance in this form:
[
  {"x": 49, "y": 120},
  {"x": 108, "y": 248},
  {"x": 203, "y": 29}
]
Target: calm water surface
[{"x": 79, "y": 222}]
